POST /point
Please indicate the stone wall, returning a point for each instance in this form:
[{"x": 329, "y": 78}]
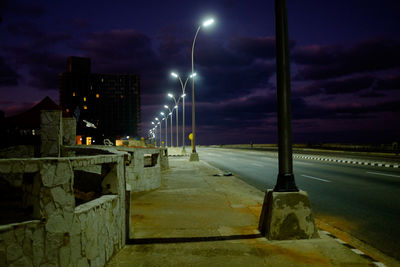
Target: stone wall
[
  {"x": 20, "y": 151},
  {"x": 50, "y": 132},
  {"x": 143, "y": 171},
  {"x": 164, "y": 159},
  {"x": 65, "y": 235},
  {"x": 69, "y": 131}
]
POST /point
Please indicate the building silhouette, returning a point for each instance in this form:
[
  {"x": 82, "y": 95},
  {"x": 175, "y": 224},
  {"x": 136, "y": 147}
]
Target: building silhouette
[{"x": 111, "y": 102}]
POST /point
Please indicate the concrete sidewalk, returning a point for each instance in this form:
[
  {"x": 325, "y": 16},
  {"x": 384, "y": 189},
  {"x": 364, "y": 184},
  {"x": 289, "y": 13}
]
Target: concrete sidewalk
[{"x": 198, "y": 219}]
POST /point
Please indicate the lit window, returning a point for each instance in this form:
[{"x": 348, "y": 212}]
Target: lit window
[
  {"x": 97, "y": 95},
  {"x": 102, "y": 80},
  {"x": 84, "y": 99},
  {"x": 84, "y": 107},
  {"x": 73, "y": 93},
  {"x": 122, "y": 96},
  {"x": 67, "y": 110},
  {"x": 91, "y": 87}
]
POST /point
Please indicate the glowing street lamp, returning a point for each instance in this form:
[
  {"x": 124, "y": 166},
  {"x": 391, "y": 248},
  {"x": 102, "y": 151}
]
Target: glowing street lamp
[
  {"x": 194, "y": 156},
  {"x": 177, "y": 115},
  {"x": 158, "y": 122},
  {"x": 166, "y": 128},
  {"x": 183, "y": 85},
  {"x": 170, "y": 114}
]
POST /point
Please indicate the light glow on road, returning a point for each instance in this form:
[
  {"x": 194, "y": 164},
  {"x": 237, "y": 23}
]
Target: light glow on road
[
  {"x": 315, "y": 178},
  {"x": 384, "y": 174}
]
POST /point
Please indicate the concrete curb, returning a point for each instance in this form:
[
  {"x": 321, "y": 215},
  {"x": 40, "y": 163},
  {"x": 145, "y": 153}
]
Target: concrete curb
[
  {"x": 350, "y": 161},
  {"x": 357, "y": 251}
]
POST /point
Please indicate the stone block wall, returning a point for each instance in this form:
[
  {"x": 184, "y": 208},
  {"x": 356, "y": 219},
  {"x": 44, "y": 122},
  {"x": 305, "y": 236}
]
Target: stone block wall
[
  {"x": 50, "y": 132},
  {"x": 65, "y": 235},
  {"x": 20, "y": 151},
  {"x": 164, "y": 159},
  {"x": 143, "y": 171},
  {"x": 69, "y": 131}
]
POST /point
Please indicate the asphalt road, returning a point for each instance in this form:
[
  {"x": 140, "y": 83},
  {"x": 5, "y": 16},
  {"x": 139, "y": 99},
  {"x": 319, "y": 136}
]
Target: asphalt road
[{"x": 361, "y": 200}]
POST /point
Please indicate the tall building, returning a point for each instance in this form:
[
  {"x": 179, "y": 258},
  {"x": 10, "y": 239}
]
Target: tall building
[{"x": 109, "y": 101}]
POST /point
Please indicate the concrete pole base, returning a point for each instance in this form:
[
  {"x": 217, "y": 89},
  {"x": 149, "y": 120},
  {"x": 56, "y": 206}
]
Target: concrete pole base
[
  {"x": 183, "y": 151},
  {"x": 194, "y": 157},
  {"x": 287, "y": 216}
]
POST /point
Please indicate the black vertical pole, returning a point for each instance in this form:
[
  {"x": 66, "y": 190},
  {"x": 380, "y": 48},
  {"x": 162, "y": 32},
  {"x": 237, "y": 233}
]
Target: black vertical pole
[{"x": 285, "y": 181}]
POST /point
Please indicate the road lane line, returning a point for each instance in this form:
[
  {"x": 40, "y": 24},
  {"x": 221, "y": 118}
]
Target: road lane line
[
  {"x": 319, "y": 179},
  {"x": 304, "y": 163},
  {"x": 378, "y": 173}
]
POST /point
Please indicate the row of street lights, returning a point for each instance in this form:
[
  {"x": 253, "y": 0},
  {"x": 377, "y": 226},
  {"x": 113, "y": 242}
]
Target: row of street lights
[{"x": 193, "y": 156}]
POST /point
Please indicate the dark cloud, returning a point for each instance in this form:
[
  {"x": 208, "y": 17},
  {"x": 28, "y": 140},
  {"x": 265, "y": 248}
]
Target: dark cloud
[
  {"x": 254, "y": 47},
  {"x": 236, "y": 113},
  {"x": 344, "y": 111},
  {"x": 317, "y": 54},
  {"x": 227, "y": 83},
  {"x": 390, "y": 83},
  {"x": 334, "y": 61},
  {"x": 35, "y": 37},
  {"x": 24, "y": 28},
  {"x": 212, "y": 54},
  {"x": 43, "y": 66},
  {"x": 371, "y": 94},
  {"x": 119, "y": 51},
  {"x": 25, "y": 9},
  {"x": 333, "y": 87},
  {"x": 172, "y": 47},
  {"x": 8, "y": 77},
  {"x": 81, "y": 23}
]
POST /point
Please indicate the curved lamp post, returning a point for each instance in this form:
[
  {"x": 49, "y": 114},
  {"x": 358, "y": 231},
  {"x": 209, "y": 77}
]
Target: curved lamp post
[
  {"x": 183, "y": 86},
  {"x": 177, "y": 115},
  {"x": 170, "y": 114},
  {"x": 194, "y": 156},
  {"x": 166, "y": 127},
  {"x": 158, "y": 122}
]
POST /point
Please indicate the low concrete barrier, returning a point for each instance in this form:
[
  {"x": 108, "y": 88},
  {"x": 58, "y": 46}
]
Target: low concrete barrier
[{"x": 143, "y": 167}]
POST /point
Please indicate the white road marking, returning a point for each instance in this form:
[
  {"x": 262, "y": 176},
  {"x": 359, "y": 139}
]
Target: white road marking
[
  {"x": 357, "y": 251},
  {"x": 303, "y": 163},
  {"x": 340, "y": 241},
  {"x": 384, "y": 174},
  {"x": 319, "y": 179}
]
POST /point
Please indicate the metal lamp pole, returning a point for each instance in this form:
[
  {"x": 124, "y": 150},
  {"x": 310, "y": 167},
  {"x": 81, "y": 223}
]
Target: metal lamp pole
[
  {"x": 205, "y": 24},
  {"x": 170, "y": 114},
  {"x": 177, "y": 115},
  {"x": 160, "y": 128},
  {"x": 183, "y": 86},
  {"x": 285, "y": 181},
  {"x": 166, "y": 128}
]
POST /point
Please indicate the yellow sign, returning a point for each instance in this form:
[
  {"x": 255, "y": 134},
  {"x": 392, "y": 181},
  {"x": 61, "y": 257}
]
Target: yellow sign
[{"x": 191, "y": 136}]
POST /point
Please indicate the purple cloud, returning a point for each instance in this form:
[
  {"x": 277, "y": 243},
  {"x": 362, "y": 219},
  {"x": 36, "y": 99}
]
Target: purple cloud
[
  {"x": 333, "y": 87},
  {"x": 334, "y": 61}
]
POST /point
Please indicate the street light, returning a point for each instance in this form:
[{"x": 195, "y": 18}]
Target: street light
[
  {"x": 194, "y": 156},
  {"x": 158, "y": 122},
  {"x": 177, "y": 115},
  {"x": 170, "y": 114},
  {"x": 166, "y": 128},
  {"x": 183, "y": 85}
]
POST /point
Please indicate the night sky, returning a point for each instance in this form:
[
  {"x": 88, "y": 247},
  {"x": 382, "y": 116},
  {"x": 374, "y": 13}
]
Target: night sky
[{"x": 345, "y": 62}]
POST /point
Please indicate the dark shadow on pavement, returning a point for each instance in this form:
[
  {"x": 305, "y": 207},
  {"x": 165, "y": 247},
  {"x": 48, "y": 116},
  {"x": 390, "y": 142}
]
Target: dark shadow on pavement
[{"x": 168, "y": 240}]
